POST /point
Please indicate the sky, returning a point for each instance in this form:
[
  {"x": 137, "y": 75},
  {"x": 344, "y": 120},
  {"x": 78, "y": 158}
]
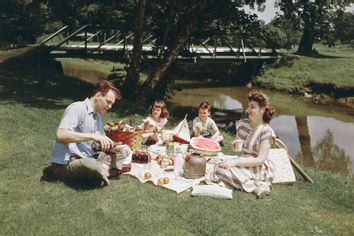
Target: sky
[{"x": 269, "y": 12}]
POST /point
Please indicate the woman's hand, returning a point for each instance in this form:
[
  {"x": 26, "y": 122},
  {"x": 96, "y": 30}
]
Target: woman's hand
[
  {"x": 223, "y": 165},
  {"x": 227, "y": 164}
]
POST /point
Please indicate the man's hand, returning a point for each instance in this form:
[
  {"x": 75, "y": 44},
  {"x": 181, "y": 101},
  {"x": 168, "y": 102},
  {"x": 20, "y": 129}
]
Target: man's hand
[{"x": 106, "y": 143}]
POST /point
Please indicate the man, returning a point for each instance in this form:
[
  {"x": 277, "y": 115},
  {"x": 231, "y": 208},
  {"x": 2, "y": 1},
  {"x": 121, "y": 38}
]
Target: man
[{"x": 72, "y": 156}]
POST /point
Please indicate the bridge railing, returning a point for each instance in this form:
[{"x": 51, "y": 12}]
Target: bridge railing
[{"x": 121, "y": 43}]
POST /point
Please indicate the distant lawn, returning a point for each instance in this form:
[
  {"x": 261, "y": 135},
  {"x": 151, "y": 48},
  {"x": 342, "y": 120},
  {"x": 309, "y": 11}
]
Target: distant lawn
[
  {"x": 31, "y": 104},
  {"x": 292, "y": 73}
]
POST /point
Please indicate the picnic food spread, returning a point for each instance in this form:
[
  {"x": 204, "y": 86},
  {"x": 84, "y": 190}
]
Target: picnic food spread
[
  {"x": 174, "y": 165},
  {"x": 156, "y": 164}
]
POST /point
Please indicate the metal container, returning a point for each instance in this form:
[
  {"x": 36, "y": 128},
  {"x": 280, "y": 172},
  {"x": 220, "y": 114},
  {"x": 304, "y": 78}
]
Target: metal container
[{"x": 194, "y": 166}]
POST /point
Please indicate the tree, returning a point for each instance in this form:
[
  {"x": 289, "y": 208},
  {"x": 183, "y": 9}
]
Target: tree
[
  {"x": 292, "y": 34},
  {"x": 314, "y": 17},
  {"x": 275, "y": 37},
  {"x": 132, "y": 79},
  {"x": 344, "y": 26},
  {"x": 20, "y": 21},
  {"x": 195, "y": 19}
]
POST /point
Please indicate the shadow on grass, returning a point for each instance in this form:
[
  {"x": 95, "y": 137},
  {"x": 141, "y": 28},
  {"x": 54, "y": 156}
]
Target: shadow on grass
[
  {"x": 78, "y": 185},
  {"x": 39, "y": 86}
]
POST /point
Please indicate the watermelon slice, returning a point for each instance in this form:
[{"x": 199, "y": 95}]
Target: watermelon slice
[{"x": 205, "y": 146}]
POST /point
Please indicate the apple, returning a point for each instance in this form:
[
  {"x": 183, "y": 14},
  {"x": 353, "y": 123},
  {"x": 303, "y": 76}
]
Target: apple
[
  {"x": 160, "y": 181},
  {"x": 166, "y": 180},
  {"x": 147, "y": 175}
]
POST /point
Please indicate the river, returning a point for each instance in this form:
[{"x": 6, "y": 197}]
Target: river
[{"x": 316, "y": 135}]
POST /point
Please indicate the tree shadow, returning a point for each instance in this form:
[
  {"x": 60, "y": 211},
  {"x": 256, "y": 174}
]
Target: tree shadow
[{"x": 39, "y": 86}]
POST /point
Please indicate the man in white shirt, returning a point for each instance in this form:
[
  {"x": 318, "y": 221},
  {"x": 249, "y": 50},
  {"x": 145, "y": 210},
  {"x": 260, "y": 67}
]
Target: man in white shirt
[{"x": 72, "y": 156}]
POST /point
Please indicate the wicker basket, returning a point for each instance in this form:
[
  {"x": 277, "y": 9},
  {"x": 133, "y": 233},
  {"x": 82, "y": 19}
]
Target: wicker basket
[{"x": 130, "y": 138}]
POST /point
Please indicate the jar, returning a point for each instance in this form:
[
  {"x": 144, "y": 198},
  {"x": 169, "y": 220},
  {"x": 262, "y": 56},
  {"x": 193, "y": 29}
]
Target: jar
[
  {"x": 194, "y": 166},
  {"x": 141, "y": 157}
]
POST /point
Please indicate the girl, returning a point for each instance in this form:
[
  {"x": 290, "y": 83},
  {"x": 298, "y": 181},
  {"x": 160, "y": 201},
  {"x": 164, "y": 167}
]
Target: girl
[
  {"x": 153, "y": 125},
  {"x": 204, "y": 126},
  {"x": 251, "y": 172}
]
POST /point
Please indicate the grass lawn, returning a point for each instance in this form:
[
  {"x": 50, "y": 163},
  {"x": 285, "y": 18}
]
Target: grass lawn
[
  {"x": 31, "y": 105},
  {"x": 292, "y": 73}
]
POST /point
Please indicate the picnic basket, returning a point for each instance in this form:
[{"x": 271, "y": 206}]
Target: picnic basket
[{"x": 130, "y": 138}]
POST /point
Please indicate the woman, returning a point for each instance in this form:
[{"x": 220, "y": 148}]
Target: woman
[{"x": 252, "y": 171}]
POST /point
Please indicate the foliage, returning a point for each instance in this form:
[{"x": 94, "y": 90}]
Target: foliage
[
  {"x": 344, "y": 27},
  {"x": 275, "y": 37},
  {"x": 292, "y": 34},
  {"x": 21, "y": 21},
  {"x": 315, "y": 18},
  {"x": 194, "y": 21}
]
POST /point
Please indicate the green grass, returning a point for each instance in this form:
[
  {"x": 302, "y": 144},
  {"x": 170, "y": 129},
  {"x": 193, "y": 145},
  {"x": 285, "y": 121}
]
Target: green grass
[
  {"x": 31, "y": 105},
  {"x": 293, "y": 73}
]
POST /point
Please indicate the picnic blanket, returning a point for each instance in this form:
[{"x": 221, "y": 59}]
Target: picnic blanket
[
  {"x": 176, "y": 183},
  {"x": 283, "y": 172}
]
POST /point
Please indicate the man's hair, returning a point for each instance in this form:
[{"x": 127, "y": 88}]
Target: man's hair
[{"x": 104, "y": 86}]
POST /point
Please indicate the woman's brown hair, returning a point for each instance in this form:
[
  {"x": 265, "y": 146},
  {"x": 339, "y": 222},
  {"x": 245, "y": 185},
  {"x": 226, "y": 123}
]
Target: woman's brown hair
[
  {"x": 263, "y": 102},
  {"x": 161, "y": 104}
]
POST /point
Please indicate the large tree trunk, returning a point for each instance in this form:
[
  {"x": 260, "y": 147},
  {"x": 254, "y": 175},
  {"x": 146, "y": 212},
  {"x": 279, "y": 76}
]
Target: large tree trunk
[
  {"x": 131, "y": 82},
  {"x": 306, "y": 43},
  {"x": 162, "y": 68},
  {"x": 171, "y": 14},
  {"x": 154, "y": 78}
]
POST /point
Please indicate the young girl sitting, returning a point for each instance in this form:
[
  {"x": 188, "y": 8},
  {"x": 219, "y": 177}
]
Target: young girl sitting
[
  {"x": 204, "y": 126},
  {"x": 153, "y": 131}
]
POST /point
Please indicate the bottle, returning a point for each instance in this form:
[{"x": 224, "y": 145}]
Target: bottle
[
  {"x": 96, "y": 147},
  {"x": 169, "y": 149}
]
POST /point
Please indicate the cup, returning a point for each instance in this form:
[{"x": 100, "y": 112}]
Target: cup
[
  {"x": 237, "y": 145},
  {"x": 124, "y": 150},
  {"x": 178, "y": 165},
  {"x": 199, "y": 126}
]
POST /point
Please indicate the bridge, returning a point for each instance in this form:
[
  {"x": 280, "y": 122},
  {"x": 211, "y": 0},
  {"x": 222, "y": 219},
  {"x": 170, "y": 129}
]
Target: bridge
[{"x": 89, "y": 42}]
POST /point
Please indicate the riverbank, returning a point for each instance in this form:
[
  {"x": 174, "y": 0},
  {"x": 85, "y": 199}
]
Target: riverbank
[
  {"x": 323, "y": 80},
  {"x": 31, "y": 105}
]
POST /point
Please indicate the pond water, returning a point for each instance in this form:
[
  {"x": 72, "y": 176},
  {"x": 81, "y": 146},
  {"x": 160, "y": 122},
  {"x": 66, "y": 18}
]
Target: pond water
[{"x": 316, "y": 135}]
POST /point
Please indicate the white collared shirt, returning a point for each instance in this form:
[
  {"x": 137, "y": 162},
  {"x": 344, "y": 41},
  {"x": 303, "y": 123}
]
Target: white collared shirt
[{"x": 78, "y": 117}]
